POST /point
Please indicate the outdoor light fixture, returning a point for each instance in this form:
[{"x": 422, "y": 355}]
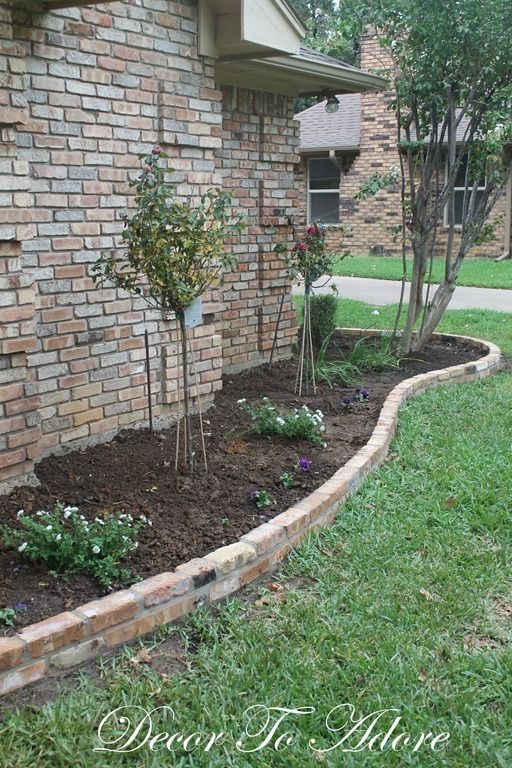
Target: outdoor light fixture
[{"x": 332, "y": 104}]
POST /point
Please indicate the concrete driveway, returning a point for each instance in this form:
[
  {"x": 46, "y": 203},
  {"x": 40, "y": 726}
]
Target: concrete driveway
[{"x": 380, "y": 292}]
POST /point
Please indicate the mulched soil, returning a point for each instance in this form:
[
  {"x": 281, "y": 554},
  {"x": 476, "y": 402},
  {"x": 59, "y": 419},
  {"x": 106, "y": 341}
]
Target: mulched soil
[{"x": 191, "y": 517}]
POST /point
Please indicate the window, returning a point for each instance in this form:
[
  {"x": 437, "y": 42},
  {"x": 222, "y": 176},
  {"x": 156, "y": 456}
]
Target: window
[
  {"x": 323, "y": 191},
  {"x": 459, "y": 189}
]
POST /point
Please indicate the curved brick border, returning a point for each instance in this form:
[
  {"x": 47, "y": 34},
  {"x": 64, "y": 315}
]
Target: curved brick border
[{"x": 75, "y": 636}]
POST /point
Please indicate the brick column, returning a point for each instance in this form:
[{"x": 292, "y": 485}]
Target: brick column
[{"x": 257, "y": 160}]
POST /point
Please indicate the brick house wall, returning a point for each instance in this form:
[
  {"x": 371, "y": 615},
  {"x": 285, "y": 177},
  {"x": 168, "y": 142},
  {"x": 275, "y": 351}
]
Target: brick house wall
[
  {"x": 83, "y": 92},
  {"x": 367, "y": 225}
]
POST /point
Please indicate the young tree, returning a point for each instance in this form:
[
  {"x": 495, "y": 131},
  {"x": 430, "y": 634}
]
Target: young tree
[
  {"x": 452, "y": 74},
  {"x": 175, "y": 252}
]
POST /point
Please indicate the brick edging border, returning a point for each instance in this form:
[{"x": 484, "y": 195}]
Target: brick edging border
[{"x": 73, "y": 637}]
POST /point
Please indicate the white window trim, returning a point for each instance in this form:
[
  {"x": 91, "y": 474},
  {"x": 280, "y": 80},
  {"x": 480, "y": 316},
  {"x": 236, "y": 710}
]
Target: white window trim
[
  {"x": 456, "y": 189},
  {"x": 310, "y": 192}
]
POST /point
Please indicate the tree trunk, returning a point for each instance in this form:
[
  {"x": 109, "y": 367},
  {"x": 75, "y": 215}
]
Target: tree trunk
[
  {"x": 416, "y": 295},
  {"x": 186, "y": 393},
  {"x": 434, "y": 313}
]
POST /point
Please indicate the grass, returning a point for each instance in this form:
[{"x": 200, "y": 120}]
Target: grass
[
  {"x": 481, "y": 323},
  {"x": 401, "y": 604},
  {"x": 482, "y": 273}
]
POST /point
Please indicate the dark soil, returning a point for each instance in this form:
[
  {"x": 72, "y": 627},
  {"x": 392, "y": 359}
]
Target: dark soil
[{"x": 190, "y": 517}]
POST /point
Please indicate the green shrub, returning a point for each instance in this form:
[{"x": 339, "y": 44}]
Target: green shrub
[
  {"x": 323, "y": 317},
  {"x": 68, "y": 543}
]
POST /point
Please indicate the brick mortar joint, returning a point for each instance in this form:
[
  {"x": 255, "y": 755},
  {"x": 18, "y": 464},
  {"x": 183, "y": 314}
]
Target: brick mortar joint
[{"x": 383, "y": 433}]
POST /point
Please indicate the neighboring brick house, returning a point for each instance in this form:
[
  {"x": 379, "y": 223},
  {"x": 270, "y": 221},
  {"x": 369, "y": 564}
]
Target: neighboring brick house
[
  {"x": 340, "y": 151},
  {"x": 85, "y": 88}
]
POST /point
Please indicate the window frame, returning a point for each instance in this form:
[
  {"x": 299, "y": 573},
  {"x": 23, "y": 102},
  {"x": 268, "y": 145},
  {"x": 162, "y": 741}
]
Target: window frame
[
  {"x": 455, "y": 190},
  {"x": 309, "y": 191}
]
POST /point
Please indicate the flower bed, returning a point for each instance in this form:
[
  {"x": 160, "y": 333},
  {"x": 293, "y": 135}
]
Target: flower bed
[{"x": 262, "y": 536}]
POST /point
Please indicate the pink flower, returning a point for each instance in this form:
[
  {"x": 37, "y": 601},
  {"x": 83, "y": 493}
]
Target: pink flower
[
  {"x": 302, "y": 247},
  {"x": 157, "y": 150},
  {"x": 310, "y": 230},
  {"x": 148, "y": 168}
]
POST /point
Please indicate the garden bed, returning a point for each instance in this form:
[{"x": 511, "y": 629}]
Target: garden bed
[{"x": 191, "y": 517}]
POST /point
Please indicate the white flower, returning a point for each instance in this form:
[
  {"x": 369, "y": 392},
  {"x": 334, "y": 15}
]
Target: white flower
[
  {"x": 58, "y": 537},
  {"x": 41, "y": 513},
  {"x": 67, "y": 513},
  {"x": 280, "y": 421},
  {"x": 322, "y": 428},
  {"x": 96, "y": 550},
  {"x": 324, "y": 445},
  {"x": 150, "y": 523},
  {"x": 20, "y": 513},
  {"x": 375, "y": 312},
  {"x": 49, "y": 527},
  {"x": 69, "y": 510},
  {"x": 319, "y": 413},
  {"x": 242, "y": 400},
  {"x": 99, "y": 520},
  {"x": 23, "y": 546}
]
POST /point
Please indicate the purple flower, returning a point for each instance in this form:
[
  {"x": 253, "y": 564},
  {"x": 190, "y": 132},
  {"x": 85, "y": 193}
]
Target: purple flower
[
  {"x": 304, "y": 464},
  {"x": 21, "y": 606},
  {"x": 254, "y": 494},
  {"x": 365, "y": 394},
  {"x": 346, "y": 401}
]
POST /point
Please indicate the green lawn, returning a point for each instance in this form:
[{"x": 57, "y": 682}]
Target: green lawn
[
  {"x": 404, "y": 603},
  {"x": 484, "y": 324},
  {"x": 482, "y": 273}
]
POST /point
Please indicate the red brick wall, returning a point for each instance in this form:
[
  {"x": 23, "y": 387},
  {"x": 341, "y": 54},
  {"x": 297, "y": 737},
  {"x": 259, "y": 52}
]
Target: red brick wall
[{"x": 87, "y": 90}]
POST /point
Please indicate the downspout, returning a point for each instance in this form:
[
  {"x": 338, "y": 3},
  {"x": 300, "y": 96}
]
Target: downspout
[{"x": 507, "y": 254}]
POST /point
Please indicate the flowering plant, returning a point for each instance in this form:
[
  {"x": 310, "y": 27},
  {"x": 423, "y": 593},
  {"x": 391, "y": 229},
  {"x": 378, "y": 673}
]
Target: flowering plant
[
  {"x": 309, "y": 260},
  {"x": 301, "y": 424},
  {"x": 68, "y": 543},
  {"x": 261, "y": 499},
  {"x": 361, "y": 396},
  {"x": 175, "y": 252}
]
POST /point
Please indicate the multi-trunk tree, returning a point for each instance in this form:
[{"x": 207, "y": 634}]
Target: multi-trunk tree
[{"x": 451, "y": 71}]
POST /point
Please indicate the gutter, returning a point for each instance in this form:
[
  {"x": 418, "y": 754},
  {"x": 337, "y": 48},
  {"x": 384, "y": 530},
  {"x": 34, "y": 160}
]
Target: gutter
[{"x": 362, "y": 81}]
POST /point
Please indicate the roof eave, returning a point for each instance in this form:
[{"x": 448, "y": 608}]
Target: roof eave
[
  {"x": 294, "y": 75},
  {"x": 347, "y": 79},
  {"x": 340, "y": 148}
]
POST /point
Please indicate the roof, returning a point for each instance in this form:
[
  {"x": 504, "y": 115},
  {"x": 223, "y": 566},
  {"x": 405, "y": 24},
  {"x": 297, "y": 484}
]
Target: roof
[
  {"x": 321, "y": 131},
  {"x": 323, "y": 58}
]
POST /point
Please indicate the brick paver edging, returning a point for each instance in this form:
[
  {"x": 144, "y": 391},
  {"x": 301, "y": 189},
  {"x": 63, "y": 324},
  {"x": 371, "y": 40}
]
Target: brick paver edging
[{"x": 75, "y": 636}]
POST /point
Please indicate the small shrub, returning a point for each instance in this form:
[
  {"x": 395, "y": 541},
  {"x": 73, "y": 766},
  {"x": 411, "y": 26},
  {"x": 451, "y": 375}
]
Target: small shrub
[
  {"x": 323, "y": 317},
  {"x": 301, "y": 424},
  {"x": 287, "y": 480},
  {"x": 262, "y": 499},
  {"x": 68, "y": 543},
  {"x": 7, "y": 616}
]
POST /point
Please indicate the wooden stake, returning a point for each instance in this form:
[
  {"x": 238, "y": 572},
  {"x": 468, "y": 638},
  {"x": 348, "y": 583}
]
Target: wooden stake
[
  {"x": 192, "y": 354},
  {"x": 148, "y": 375},
  {"x": 179, "y": 401}
]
